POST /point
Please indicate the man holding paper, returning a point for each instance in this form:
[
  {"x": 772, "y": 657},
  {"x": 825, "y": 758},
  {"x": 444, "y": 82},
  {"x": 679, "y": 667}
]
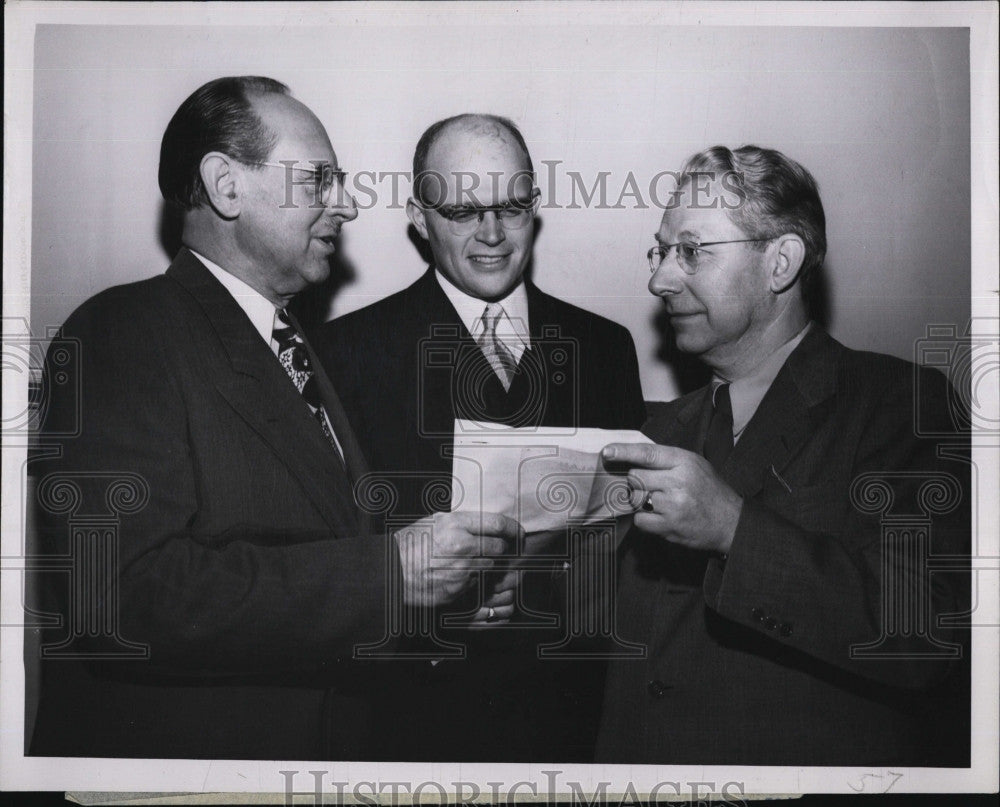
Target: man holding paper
[
  {"x": 473, "y": 339},
  {"x": 774, "y": 571}
]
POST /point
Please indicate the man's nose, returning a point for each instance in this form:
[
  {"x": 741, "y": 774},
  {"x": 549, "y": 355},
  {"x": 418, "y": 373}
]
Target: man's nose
[
  {"x": 341, "y": 204},
  {"x": 668, "y": 278},
  {"x": 490, "y": 230}
]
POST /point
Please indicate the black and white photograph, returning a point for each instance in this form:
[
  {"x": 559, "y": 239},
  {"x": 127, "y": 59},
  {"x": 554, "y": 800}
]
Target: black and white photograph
[{"x": 485, "y": 402}]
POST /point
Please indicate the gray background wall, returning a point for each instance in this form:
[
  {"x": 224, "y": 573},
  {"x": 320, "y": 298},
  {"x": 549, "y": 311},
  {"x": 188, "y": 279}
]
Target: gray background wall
[{"x": 879, "y": 115}]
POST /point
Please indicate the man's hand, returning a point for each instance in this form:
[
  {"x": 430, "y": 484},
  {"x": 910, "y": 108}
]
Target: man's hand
[
  {"x": 677, "y": 495},
  {"x": 498, "y": 606},
  {"x": 443, "y": 554}
]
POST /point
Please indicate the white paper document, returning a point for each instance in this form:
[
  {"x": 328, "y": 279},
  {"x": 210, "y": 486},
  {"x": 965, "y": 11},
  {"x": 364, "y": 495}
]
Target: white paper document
[{"x": 540, "y": 477}]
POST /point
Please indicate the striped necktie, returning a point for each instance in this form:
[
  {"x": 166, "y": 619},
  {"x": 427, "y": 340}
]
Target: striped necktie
[
  {"x": 294, "y": 358},
  {"x": 496, "y": 352}
]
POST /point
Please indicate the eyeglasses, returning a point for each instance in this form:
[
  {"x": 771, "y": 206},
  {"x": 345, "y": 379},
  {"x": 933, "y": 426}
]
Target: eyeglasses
[
  {"x": 324, "y": 177},
  {"x": 465, "y": 219},
  {"x": 689, "y": 253}
]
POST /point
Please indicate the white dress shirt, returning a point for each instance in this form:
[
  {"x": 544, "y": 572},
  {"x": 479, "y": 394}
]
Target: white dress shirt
[
  {"x": 512, "y": 328},
  {"x": 257, "y": 307}
]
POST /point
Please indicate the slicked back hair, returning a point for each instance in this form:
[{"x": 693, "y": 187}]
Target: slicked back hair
[
  {"x": 218, "y": 116},
  {"x": 777, "y": 196},
  {"x": 471, "y": 121}
]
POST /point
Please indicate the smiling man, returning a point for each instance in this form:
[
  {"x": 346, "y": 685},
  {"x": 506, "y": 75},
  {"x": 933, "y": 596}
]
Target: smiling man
[
  {"x": 222, "y": 618},
  {"x": 774, "y": 572},
  {"x": 474, "y": 338}
]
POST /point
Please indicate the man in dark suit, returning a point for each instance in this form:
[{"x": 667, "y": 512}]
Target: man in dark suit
[
  {"x": 222, "y": 574},
  {"x": 778, "y": 569},
  {"x": 474, "y": 339}
]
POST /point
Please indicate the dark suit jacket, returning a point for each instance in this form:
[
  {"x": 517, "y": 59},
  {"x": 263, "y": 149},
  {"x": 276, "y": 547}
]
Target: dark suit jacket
[
  {"x": 248, "y": 573},
  {"x": 406, "y": 367},
  {"x": 749, "y": 657}
]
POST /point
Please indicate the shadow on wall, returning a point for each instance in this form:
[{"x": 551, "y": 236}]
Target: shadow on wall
[
  {"x": 690, "y": 373},
  {"x": 171, "y": 222}
]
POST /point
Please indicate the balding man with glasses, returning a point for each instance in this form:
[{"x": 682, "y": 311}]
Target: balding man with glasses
[
  {"x": 475, "y": 339},
  {"x": 787, "y": 621}
]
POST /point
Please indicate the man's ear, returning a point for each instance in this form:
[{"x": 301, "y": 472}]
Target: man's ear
[
  {"x": 536, "y": 200},
  {"x": 786, "y": 255},
  {"x": 223, "y": 183},
  {"x": 418, "y": 217}
]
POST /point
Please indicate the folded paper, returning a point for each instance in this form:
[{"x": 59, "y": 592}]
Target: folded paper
[{"x": 543, "y": 478}]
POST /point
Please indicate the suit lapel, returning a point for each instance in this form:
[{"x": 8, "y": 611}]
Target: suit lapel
[
  {"x": 784, "y": 419},
  {"x": 259, "y": 390},
  {"x": 431, "y": 305},
  {"x": 687, "y": 428}
]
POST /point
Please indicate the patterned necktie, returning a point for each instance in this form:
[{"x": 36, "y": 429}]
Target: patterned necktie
[
  {"x": 497, "y": 353},
  {"x": 719, "y": 440},
  {"x": 294, "y": 358}
]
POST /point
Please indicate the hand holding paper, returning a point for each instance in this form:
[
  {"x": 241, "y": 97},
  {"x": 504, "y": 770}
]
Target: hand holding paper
[
  {"x": 541, "y": 478},
  {"x": 443, "y": 554},
  {"x": 686, "y": 501}
]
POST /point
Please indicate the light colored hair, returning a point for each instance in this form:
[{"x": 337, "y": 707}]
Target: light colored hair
[
  {"x": 471, "y": 121},
  {"x": 777, "y": 196}
]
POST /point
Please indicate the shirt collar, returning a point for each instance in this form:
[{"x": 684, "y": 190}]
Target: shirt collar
[
  {"x": 513, "y": 329},
  {"x": 257, "y": 307},
  {"x": 747, "y": 392}
]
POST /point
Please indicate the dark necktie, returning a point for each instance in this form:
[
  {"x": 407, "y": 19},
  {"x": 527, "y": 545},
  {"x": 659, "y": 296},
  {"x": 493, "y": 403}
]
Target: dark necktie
[
  {"x": 294, "y": 358},
  {"x": 497, "y": 353},
  {"x": 719, "y": 440}
]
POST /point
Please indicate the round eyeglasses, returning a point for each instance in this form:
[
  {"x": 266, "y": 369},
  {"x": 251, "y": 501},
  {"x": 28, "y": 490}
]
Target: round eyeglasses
[{"x": 690, "y": 254}]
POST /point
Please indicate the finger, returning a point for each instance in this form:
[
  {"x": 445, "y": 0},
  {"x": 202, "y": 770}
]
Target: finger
[
  {"x": 655, "y": 523},
  {"x": 492, "y": 546},
  {"x": 648, "y": 503},
  {"x": 642, "y": 455},
  {"x": 469, "y": 544},
  {"x": 501, "y": 526},
  {"x": 638, "y": 488},
  {"x": 471, "y": 567},
  {"x": 498, "y": 599},
  {"x": 492, "y": 615},
  {"x": 641, "y": 499},
  {"x": 508, "y": 582}
]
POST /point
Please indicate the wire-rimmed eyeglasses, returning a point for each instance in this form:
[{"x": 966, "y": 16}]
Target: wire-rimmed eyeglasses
[
  {"x": 325, "y": 177},
  {"x": 689, "y": 253}
]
